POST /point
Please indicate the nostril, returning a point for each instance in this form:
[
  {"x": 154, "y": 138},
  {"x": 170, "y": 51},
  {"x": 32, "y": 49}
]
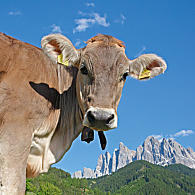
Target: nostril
[
  {"x": 111, "y": 117},
  {"x": 89, "y": 99},
  {"x": 90, "y": 117}
]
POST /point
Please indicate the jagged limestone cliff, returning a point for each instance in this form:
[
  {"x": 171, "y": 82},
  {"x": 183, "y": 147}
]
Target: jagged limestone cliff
[{"x": 164, "y": 152}]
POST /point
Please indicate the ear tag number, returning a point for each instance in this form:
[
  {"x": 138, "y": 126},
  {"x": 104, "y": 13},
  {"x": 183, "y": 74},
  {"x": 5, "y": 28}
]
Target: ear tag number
[
  {"x": 145, "y": 74},
  {"x": 60, "y": 60}
]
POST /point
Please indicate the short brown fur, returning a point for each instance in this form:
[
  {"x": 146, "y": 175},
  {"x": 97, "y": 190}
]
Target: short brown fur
[{"x": 106, "y": 40}]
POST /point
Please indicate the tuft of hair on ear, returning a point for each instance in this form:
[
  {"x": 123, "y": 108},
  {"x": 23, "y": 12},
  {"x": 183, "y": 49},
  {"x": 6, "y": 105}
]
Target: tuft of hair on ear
[
  {"x": 150, "y": 63},
  {"x": 56, "y": 44}
]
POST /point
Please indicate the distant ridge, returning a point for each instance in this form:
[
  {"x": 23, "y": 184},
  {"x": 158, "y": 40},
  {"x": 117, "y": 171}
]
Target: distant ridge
[
  {"x": 165, "y": 152},
  {"x": 138, "y": 177}
]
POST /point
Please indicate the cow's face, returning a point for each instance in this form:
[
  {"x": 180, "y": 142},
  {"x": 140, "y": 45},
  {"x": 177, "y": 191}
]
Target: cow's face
[{"x": 102, "y": 71}]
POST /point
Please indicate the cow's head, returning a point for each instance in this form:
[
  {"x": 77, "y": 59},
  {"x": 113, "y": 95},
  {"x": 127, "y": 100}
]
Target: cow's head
[{"x": 103, "y": 68}]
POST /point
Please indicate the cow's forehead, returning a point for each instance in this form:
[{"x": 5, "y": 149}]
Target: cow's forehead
[
  {"x": 105, "y": 58},
  {"x": 104, "y": 46},
  {"x": 105, "y": 40}
]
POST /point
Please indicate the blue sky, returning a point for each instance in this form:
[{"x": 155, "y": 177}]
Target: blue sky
[{"x": 163, "y": 106}]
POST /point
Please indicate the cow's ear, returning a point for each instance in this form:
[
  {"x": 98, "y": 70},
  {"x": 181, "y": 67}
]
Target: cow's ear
[
  {"x": 60, "y": 49},
  {"x": 147, "y": 66}
]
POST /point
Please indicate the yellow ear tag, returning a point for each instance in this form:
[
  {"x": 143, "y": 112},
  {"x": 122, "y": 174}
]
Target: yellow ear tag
[
  {"x": 60, "y": 60},
  {"x": 145, "y": 74}
]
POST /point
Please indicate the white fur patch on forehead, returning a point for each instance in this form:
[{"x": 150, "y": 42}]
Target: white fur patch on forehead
[{"x": 56, "y": 44}]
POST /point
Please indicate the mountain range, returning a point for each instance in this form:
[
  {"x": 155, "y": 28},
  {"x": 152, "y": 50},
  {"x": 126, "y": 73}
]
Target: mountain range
[
  {"x": 138, "y": 177},
  {"x": 164, "y": 152}
]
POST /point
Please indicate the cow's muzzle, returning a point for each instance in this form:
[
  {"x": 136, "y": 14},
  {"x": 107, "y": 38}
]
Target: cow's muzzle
[{"x": 100, "y": 118}]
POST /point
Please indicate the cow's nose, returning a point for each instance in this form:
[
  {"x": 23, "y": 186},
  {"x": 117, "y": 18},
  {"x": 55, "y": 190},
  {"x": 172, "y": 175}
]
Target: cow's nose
[
  {"x": 100, "y": 118},
  {"x": 94, "y": 116}
]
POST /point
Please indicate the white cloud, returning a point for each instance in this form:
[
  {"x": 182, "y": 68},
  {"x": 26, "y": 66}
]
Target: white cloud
[
  {"x": 78, "y": 43},
  {"x": 183, "y": 133},
  {"x": 90, "y": 4},
  {"x": 14, "y": 13},
  {"x": 141, "y": 51},
  {"x": 83, "y": 14},
  {"x": 121, "y": 19},
  {"x": 55, "y": 29},
  {"x": 83, "y": 24},
  {"x": 89, "y": 20},
  {"x": 101, "y": 20}
]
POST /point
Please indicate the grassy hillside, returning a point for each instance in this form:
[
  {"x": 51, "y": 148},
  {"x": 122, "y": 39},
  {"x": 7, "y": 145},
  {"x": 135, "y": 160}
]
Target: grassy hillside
[
  {"x": 139, "y": 177},
  {"x": 57, "y": 182}
]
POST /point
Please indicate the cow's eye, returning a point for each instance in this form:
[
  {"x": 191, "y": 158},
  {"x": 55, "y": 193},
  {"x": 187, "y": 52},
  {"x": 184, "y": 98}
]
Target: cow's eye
[
  {"x": 83, "y": 69},
  {"x": 125, "y": 76}
]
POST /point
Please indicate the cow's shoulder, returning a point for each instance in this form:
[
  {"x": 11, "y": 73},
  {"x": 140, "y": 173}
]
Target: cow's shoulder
[
  {"x": 25, "y": 62},
  {"x": 28, "y": 82}
]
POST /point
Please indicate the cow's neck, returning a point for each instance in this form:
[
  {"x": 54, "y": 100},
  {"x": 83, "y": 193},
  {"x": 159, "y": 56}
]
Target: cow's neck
[
  {"x": 69, "y": 106},
  {"x": 53, "y": 138},
  {"x": 69, "y": 125}
]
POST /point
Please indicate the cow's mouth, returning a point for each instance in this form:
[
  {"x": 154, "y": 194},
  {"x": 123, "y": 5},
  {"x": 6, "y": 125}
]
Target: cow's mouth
[{"x": 100, "y": 119}]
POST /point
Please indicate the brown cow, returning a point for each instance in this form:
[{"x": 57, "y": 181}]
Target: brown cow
[{"x": 44, "y": 104}]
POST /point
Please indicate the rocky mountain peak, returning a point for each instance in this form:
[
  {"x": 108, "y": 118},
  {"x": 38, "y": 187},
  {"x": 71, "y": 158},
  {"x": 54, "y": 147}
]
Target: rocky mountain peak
[
  {"x": 163, "y": 153},
  {"x": 121, "y": 145}
]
